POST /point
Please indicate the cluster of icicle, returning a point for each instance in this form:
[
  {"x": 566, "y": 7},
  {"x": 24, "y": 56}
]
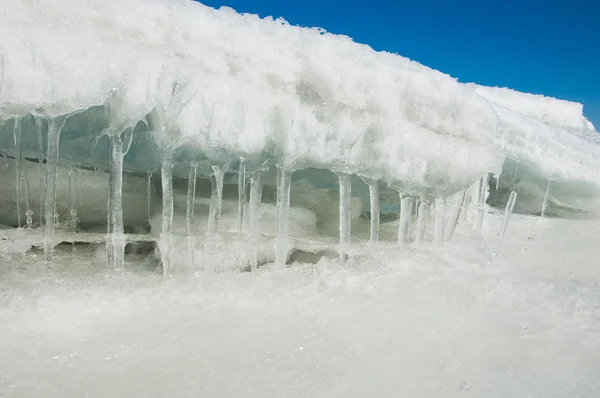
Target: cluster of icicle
[
  {"x": 248, "y": 173},
  {"x": 230, "y": 87}
]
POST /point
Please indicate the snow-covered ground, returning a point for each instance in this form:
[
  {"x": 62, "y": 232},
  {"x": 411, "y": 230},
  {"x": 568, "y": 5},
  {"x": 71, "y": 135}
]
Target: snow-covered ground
[{"x": 456, "y": 321}]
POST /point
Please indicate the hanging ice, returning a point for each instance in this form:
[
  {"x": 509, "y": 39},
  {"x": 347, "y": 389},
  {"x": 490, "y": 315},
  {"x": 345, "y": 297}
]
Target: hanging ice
[
  {"x": 225, "y": 99},
  {"x": 545, "y": 203},
  {"x": 256, "y": 188},
  {"x": 216, "y": 199},
  {"x": 284, "y": 180},
  {"x": 55, "y": 126},
  {"x": 167, "y": 216},
  {"x": 189, "y": 218},
  {"x": 452, "y": 219},
  {"x": 40, "y": 144},
  {"x": 148, "y": 193},
  {"x": 119, "y": 148},
  {"x": 72, "y": 199},
  {"x": 375, "y": 208},
  {"x": 440, "y": 218},
  {"x": 406, "y": 204},
  {"x": 28, "y": 210},
  {"x": 481, "y": 195},
  {"x": 17, "y": 141},
  {"x": 507, "y": 213},
  {"x": 241, "y": 194},
  {"x": 422, "y": 218},
  {"x": 345, "y": 198}
]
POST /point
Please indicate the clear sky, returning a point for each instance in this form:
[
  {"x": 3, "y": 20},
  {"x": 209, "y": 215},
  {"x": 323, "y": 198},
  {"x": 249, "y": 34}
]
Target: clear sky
[{"x": 549, "y": 47}]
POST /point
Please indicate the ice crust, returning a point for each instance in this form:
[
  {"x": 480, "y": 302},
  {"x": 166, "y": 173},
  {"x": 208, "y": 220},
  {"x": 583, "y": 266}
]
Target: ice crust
[{"x": 214, "y": 85}]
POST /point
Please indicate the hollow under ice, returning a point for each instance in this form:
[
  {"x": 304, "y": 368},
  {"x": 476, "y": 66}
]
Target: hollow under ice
[{"x": 144, "y": 98}]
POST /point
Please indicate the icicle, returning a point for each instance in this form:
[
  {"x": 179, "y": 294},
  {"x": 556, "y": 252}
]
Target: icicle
[
  {"x": 119, "y": 148},
  {"x": 256, "y": 187},
  {"x": 28, "y": 211},
  {"x": 148, "y": 196},
  {"x": 189, "y": 217},
  {"x": 440, "y": 218},
  {"x": 345, "y": 202},
  {"x": 483, "y": 184},
  {"x": 546, "y": 195},
  {"x": 17, "y": 140},
  {"x": 422, "y": 217},
  {"x": 216, "y": 199},
  {"x": 55, "y": 126},
  {"x": 79, "y": 185},
  {"x": 241, "y": 194},
  {"x": 40, "y": 142},
  {"x": 516, "y": 174},
  {"x": 284, "y": 181},
  {"x": 510, "y": 205},
  {"x": 375, "y": 209},
  {"x": 452, "y": 220},
  {"x": 167, "y": 215},
  {"x": 110, "y": 252},
  {"x": 465, "y": 205},
  {"x": 72, "y": 199},
  {"x": 406, "y": 204}
]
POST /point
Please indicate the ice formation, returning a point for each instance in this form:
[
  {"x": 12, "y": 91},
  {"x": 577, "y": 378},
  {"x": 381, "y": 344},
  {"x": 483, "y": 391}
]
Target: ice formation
[{"x": 198, "y": 92}]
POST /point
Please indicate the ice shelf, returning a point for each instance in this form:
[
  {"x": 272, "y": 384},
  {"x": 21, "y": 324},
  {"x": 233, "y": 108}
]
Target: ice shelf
[{"x": 148, "y": 85}]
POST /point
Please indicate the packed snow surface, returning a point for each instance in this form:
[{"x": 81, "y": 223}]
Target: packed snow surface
[
  {"x": 221, "y": 84},
  {"x": 421, "y": 323}
]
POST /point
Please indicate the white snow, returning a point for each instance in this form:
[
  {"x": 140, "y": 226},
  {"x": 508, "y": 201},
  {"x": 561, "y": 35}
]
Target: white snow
[
  {"x": 552, "y": 111},
  {"x": 417, "y": 323},
  {"x": 241, "y": 85},
  {"x": 207, "y": 87}
]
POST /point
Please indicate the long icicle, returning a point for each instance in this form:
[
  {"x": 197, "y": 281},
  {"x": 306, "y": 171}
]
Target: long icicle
[
  {"x": 452, "y": 219},
  {"x": 546, "y": 196},
  {"x": 516, "y": 174},
  {"x": 189, "y": 216},
  {"x": 216, "y": 199},
  {"x": 483, "y": 184},
  {"x": 72, "y": 199},
  {"x": 55, "y": 126},
  {"x": 148, "y": 196},
  {"x": 28, "y": 210},
  {"x": 284, "y": 182},
  {"x": 17, "y": 140},
  {"x": 110, "y": 250},
  {"x": 119, "y": 148},
  {"x": 40, "y": 142},
  {"x": 241, "y": 195},
  {"x": 167, "y": 215},
  {"x": 375, "y": 207},
  {"x": 440, "y": 218},
  {"x": 406, "y": 204},
  {"x": 344, "y": 216},
  {"x": 256, "y": 188},
  {"x": 422, "y": 216},
  {"x": 510, "y": 205}
]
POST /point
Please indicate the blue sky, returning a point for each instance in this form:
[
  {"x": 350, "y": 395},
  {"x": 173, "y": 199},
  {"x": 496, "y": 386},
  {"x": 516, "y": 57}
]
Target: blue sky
[{"x": 549, "y": 47}]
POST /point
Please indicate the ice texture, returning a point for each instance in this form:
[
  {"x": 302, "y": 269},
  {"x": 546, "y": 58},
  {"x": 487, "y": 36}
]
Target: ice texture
[
  {"x": 231, "y": 85},
  {"x": 226, "y": 85}
]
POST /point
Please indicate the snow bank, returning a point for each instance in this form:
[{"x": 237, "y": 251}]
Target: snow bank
[
  {"x": 236, "y": 84},
  {"x": 551, "y": 134},
  {"x": 227, "y": 85},
  {"x": 550, "y": 110}
]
